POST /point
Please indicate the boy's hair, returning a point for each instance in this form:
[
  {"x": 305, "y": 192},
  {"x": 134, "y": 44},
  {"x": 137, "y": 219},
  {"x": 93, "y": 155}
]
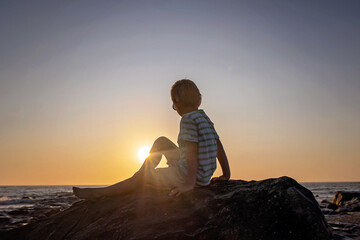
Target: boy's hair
[{"x": 185, "y": 92}]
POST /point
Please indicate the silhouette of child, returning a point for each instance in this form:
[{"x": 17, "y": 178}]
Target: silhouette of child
[{"x": 190, "y": 164}]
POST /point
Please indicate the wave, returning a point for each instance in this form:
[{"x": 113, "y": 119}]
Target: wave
[
  {"x": 64, "y": 192},
  {"x": 5, "y": 200}
]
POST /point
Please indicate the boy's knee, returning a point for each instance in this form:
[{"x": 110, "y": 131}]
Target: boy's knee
[{"x": 161, "y": 140}]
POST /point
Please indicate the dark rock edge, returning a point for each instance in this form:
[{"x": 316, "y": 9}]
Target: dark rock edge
[{"x": 278, "y": 208}]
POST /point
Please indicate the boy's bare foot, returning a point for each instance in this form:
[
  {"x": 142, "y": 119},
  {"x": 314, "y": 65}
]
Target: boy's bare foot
[{"x": 87, "y": 193}]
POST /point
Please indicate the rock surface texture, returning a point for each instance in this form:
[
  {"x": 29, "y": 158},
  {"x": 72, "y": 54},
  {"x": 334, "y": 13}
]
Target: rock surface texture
[
  {"x": 347, "y": 201},
  {"x": 343, "y": 215},
  {"x": 274, "y": 209}
]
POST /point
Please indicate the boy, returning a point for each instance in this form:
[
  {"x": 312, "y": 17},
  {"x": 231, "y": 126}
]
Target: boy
[{"x": 189, "y": 165}]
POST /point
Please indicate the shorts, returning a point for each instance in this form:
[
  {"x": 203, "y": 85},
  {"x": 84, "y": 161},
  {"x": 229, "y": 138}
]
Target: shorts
[{"x": 169, "y": 177}]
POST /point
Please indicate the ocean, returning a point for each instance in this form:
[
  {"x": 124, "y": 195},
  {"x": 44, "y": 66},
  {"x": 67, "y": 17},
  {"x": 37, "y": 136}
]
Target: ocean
[
  {"x": 326, "y": 190},
  {"x": 21, "y": 204}
]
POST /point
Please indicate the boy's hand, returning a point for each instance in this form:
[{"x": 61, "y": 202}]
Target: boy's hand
[
  {"x": 221, "y": 178},
  {"x": 179, "y": 190}
]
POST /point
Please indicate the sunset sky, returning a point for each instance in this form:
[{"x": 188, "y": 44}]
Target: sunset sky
[{"x": 85, "y": 84}]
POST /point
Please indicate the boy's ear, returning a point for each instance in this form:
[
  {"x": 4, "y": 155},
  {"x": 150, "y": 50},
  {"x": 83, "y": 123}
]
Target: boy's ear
[{"x": 177, "y": 105}]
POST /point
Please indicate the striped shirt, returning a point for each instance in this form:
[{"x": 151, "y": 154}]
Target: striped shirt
[{"x": 196, "y": 126}]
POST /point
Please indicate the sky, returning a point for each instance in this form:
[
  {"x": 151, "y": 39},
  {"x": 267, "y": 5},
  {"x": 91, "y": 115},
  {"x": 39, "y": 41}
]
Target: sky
[{"x": 85, "y": 84}]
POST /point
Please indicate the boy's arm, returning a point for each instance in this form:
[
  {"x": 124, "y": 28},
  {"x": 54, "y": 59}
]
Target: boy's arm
[
  {"x": 224, "y": 163},
  {"x": 191, "y": 150}
]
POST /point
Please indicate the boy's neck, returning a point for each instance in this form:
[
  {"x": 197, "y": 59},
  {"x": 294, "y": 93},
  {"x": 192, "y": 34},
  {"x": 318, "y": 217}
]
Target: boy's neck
[{"x": 188, "y": 109}]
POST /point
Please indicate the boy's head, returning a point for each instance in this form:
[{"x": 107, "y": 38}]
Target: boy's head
[{"x": 185, "y": 93}]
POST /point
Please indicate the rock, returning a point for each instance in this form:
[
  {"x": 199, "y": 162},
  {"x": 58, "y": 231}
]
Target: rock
[
  {"x": 326, "y": 211},
  {"x": 4, "y": 220},
  {"x": 271, "y": 209},
  {"x": 353, "y": 204},
  {"x": 324, "y": 203},
  {"x": 332, "y": 206},
  {"x": 342, "y": 197},
  {"x": 343, "y": 210},
  {"x": 52, "y": 212},
  {"x": 26, "y": 197},
  {"x": 347, "y": 201},
  {"x": 18, "y": 212},
  {"x": 346, "y": 225}
]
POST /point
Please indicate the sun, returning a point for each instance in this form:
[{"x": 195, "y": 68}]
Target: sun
[{"x": 143, "y": 153}]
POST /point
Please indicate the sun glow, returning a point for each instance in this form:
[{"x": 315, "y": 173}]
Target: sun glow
[{"x": 143, "y": 153}]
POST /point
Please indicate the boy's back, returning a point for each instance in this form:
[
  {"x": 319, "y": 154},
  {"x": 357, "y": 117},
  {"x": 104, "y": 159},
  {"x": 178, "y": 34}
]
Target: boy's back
[{"x": 197, "y": 127}]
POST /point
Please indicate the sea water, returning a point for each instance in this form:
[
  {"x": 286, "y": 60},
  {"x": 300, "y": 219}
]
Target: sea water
[
  {"x": 326, "y": 190},
  {"x": 14, "y": 197},
  {"x": 20, "y": 205}
]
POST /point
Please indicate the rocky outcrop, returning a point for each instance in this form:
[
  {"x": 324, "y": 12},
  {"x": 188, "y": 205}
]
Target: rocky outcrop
[
  {"x": 343, "y": 215},
  {"x": 278, "y": 209},
  {"x": 346, "y": 202}
]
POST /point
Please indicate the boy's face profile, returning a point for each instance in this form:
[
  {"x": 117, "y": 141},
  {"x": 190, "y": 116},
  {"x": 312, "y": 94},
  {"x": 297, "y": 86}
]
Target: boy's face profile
[
  {"x": 178, "y": 108},
  {"x": 182, "y": 109}
]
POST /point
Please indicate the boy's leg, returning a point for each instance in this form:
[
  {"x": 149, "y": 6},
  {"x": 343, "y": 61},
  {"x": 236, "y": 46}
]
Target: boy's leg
[
  {"x": 119, "y": 188},
  {"x": 161, "y": 146}
]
